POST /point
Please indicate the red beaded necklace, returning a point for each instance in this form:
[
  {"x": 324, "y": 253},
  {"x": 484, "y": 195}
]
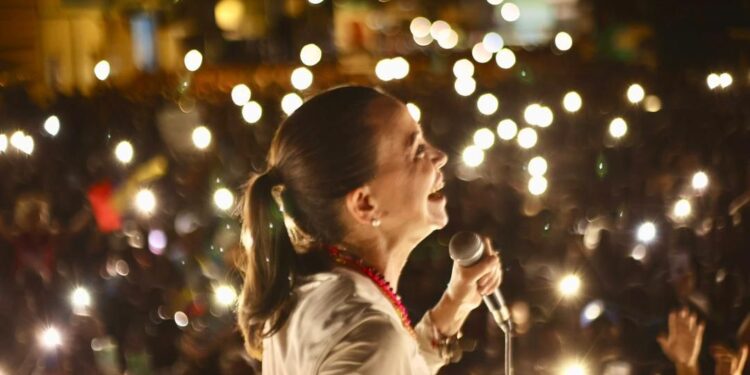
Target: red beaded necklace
[{"x": 346, "y": 259}]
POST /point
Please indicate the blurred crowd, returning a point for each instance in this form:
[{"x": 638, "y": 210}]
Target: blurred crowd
[{"x": 67, "y": 221}]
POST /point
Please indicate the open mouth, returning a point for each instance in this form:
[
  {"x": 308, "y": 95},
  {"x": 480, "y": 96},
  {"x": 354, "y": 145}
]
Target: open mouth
[{"x": 437, "y": 193}]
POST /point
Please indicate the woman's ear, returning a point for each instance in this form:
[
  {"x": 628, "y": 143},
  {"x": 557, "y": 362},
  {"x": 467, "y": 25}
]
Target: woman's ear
[{"x": 360, "y": 204}]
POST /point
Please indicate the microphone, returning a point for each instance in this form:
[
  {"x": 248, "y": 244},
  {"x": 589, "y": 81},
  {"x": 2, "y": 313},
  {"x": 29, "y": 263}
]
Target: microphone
[{"x": 467, "y": 248}]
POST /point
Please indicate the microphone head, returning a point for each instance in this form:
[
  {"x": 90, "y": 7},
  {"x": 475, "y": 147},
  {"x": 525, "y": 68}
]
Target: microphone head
[{"x": 466, "y": 248}]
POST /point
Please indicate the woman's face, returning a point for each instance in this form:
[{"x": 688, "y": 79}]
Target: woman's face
[{"x": 406, "y": 186}]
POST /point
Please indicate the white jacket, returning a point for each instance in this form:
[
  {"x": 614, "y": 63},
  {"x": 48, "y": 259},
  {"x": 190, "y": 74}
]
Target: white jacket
[{"x": 343, "y": 324}]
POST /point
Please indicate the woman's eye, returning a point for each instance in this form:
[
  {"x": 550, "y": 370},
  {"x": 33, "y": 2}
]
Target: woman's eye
[{"x": 421, "y": 149}]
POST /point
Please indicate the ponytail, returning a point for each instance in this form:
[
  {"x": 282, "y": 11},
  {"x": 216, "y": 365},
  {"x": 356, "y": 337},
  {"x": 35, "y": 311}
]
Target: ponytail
[{"x": 267, "y": 297}]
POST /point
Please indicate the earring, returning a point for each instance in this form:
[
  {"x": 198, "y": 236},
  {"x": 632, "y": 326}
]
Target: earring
[{"x": 375, "y": 222}]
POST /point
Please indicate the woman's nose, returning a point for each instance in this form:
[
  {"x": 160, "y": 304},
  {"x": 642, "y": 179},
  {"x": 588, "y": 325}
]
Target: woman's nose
[{"x": 440, "y": 158}]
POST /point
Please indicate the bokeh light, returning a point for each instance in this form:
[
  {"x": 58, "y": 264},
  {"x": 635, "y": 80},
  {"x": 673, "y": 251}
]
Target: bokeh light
[
  {"x": 646, "y": 232},
  {"x": 563, "y": 41},
  {"x": 52, "y": 125},
  {"x": 618, "y": 127},
  {"x": 225, "y": 295},
  {"x": 157, "y": 241},
  {"x": 420, "y": 27},
  {"x": 124, "y": 152},
  {"x": 569, "y": 285},
  {"x": 290, "y": 102},
  {"x": 223, "y": 199},
  {"x": 390, "y": 69},
  {"x": 574, "y": 368},
  {"x": 463, "y": 68},
  {"x": 440, "y": 30},
  {"x": 507, "y": 129},
  {"x": 505, "y": 58},
  {"x": 201, "y": 137},
  {"x": 80, "y": 300},
  {"x": 480, "y": 53},
  {"x": 310, "y": 54},
  {"x": 682, "y": 208},
  {"x": 450, "y": 41},
  {"x": 193, "y": 60},
  {"x": 301, "y": 78},
  {"x": 50, "y": 338},
  {"x": 537, "y": 185},
  {"x": 145, "y": 202},
  {"x": 510, "y": 12},
  {"x": 102, "y": 70},
  {"x": 639, "y": 252},
  {"x": 572, "y": 101},
  {"x": 484, "y": 138},
  {"x": 487, "y": 104},
  {"x": 725, "y": 80},
  {"x": 252, "y": 112},
  {"x": 465, "y": 86},
  {"x": 493, "y": 42},
  {"x": 414, "y": 111},
  {"x": 713, "y": 81},
  {"x": 181, "y": 319},
  {"x": 472, "y": 156},
  {"x": 635, "y": 93},
  {"x": 240, "y": 94},
  {"x": 537, "y": 166},
  {"x": 527, "y": 138},
  {"x": 652, "y": 103},
  {"x": 700, "y": 180},
  {"x": 593, "y": 310},
  {"x": 3, "y": 143}
]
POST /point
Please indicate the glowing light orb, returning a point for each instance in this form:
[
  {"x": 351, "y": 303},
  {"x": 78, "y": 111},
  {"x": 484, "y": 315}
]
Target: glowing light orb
[
  {"x": 713, "y": 81},
  {"x": 507, "y": 129},
  {"x": 52, "y": 125},
  {"x": 487, "y": 104},
  {"x": 80, "y": 298},
  {"x": 124, "y": 152},
  {"x": 700, "y": 180},
  {"x": 574, "y": 369},
  {"x": 484, "y": 138},
  {"x": 50, "y": 338},
  {"x": 223, "y": 199},
  {"x": 527, "y": 138},
  {"x": 310, "y": 54},
  {"x": 510, "y": 12},
  {"x": 290, "y": 102},
  {"x": 201, "y": 137},
  {"x": 572, "y": 102},
  {"x": 493, "y": 42},
  {"x": 252, "y": 112},
  {"x": 537, "y": 166},
  {"x": 682, "y": 208},
  {"x": 420, "y": 27},
  {"x": 725, "y": 80},
  {"x": 3, "y": 143},
  {"x": 181, "y": 319},
  {"x": 593, "y": 310},
  {"x": 463, "y": 68},
  {"x": 618, "y": 128},
  {"x": 465, "y": 86},
  {"x": 301, "y": 78},
  {"x": 472, "y": 156},
  {"x": 652, "y": 103},
  {"x": 450, "y": 41},
  {"x": 569, "y": 285},
  {"x": 193, "y": 60},
  {"x": 505, "y": 58},
  {"x": 646, "y": 232},
  {"x": 241, "y": 94},
  {"x": 563, "y": 41},
  {"x": 635, "y": 93},
  {"x": 225, "y": 295},
  {"x": 145, "y": 201},
  {"x": 102, "y": 70},
  {"x": 537, "y": 185},
  {"x": 480, "y": 53}
]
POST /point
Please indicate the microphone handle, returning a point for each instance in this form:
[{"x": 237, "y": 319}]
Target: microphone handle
[{"x": 499, "y": 310}]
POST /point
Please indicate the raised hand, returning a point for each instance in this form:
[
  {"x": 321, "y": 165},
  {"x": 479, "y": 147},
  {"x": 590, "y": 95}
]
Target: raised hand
[
  {"x": 727, "y": 361},
  {"x": 682, "y": 344}
]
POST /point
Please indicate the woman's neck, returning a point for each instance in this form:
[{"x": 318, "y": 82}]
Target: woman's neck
[{"x": 388, "y": 258}]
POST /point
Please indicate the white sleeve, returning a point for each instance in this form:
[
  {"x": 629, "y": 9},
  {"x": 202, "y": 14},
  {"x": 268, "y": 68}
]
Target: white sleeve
[
  {"x": 373, "y": 346},
  {"x": 424, "y": 330}
]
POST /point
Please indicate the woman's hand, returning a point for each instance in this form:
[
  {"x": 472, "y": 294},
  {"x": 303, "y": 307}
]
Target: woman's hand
[
  {"x": 465, "y": 291},
  {"x": 683, "y": 342},
  {"x": 469, "y": 284},
  {"x": 729, "y": 362}
]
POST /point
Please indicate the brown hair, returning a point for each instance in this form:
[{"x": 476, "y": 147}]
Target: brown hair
[{"x": 324, "y": 150}]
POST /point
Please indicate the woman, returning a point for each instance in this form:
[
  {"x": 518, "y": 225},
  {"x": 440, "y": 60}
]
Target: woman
[{"x": 352, "y": 187}]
